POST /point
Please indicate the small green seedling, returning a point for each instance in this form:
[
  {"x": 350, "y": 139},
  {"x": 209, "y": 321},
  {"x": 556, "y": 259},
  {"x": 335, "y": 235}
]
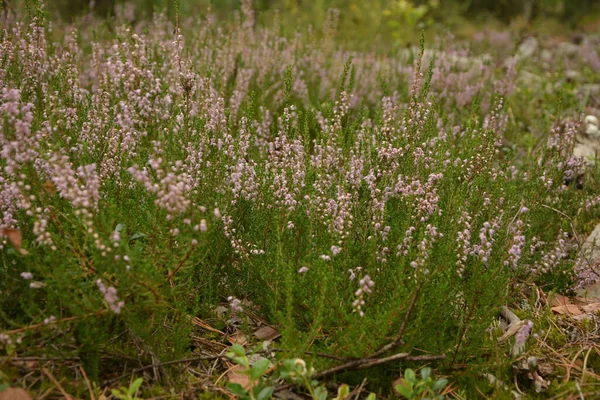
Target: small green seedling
[
  {"x": 410, "y": 387},
  {"x": 129, "y": 393}
]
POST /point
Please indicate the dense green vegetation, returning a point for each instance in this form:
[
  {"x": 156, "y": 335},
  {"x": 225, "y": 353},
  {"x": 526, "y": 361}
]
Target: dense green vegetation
[{"x": 364, "y": 200}]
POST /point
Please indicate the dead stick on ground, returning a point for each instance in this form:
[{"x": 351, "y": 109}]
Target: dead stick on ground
[
  {"x": 398, "y": 339},
  {"x": 364, "y": 363},
  {"x": 57, "y": 383},
  {"x": 151, "y": 366},
  {"x": 406, "y": 358},
  {"x": 373, "y": 359},
  {"x": 87, "y": 383}
]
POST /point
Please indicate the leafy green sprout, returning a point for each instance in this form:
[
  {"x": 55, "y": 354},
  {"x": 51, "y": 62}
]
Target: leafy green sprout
[
  {"x": 129, "y": 393},
  {"x": 411, "y": 387},
  {"x": 293, "y": 370}
]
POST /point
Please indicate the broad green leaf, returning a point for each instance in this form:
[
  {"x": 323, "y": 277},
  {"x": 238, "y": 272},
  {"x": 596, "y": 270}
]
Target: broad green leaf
[
  {"x": 237, "y": 389},
  {"x": 117, "y": 393},
  {"x": 238, "y": 349},
  {"x": 404, "y": 391},
  {"x": 410, "y": 376},
  {"x": 425, "y": 372},
  {"x": 135, "y": 386},
  {"x": 440, "y": 384},
  {"x": 266, "y": 393},
  {"x": 137, "y": 235},
  {"x": 343, "y": 391},
  {"x": 320, "y": 393},
  {"x": 259, "y": 368}
]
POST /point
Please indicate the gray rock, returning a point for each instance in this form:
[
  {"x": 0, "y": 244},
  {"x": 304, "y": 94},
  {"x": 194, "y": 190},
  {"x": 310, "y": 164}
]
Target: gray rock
[
  {"x": 588, "y": 146},
  {"x": 527, "y": 48},
  {"x": 546, "y": 55},
  {"x": 589, "y": 88},
  {"x": 567, "y": 49},
  {"x": 529, "y": 79},
  {"x": 572, "y": 75}
]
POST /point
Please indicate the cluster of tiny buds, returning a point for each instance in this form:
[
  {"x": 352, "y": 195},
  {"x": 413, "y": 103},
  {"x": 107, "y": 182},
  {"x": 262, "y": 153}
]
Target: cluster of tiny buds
[
  {"x": 235, "y": 304},
  {"x": 110, "y": 296},
  {"x": 33, "y": 285},
  {"x": 366, "y": 283},
  {"x": 8, "y": 340}
]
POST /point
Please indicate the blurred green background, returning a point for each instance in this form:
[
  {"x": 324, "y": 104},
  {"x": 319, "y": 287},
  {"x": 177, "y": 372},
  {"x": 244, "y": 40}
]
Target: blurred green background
[{"x": 366, "y": 21}]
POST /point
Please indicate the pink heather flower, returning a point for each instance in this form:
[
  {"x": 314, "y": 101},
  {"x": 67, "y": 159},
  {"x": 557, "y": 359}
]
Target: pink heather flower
[
  {"x": 26, "y": 275},
  {"x": 203, "y": 227},
  {"x": 194, "y": 242},
  {"x": 325, "y": 257},
  {"x": 235, "y": 304},
  {"x": 303, "y": 270},
  {"x": 36, "y": 285},
  {"x": 335, "y": 250},
  {"x": 49, "y": 320},
  {"x": 217, "y": 212},
  {"x": 523, "y": 333},
  {"x": 110, "y": 296},
  {"x": 5, "y": 339},
  {"x": 365, "y": 287},
  {"x": 116, "y": 238}
]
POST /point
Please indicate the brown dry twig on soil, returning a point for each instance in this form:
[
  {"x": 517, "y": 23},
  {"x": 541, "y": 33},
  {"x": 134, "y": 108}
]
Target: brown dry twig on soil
[{"x": 374, "y": 359}]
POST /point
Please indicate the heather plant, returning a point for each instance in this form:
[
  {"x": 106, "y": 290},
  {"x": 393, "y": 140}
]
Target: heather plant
[{"x": 167, "y": 167}]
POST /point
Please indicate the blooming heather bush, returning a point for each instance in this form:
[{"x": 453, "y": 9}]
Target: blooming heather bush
[{"x": 159, "y": 170}]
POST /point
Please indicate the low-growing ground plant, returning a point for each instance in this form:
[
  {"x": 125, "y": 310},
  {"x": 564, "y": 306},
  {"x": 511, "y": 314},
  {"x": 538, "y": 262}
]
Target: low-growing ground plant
[{"x": 367, "y": 204}]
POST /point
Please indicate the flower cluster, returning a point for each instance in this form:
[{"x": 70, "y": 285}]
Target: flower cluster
[
  {"x": 110, "y": 296},
  {"x": 366, "y": 283}
]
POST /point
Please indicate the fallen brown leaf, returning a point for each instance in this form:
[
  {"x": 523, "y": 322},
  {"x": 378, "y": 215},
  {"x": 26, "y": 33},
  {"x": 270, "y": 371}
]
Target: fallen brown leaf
[
  {"x": 15, "y": 238},
  {"x": 568, "y": 309},
  {"x": 592, "y": 308},
  {"x": 238, "y": 338},
  {"x": 14, "y": 394},
  {"x": 267, "y": 333},
  {"x": 49, "y": 187},
  {"x": 202, "y": 324},
  {"x": 559, "y": 300},
  {"x": 235, "y": 375},
  {"x": 589, "y": 292}
]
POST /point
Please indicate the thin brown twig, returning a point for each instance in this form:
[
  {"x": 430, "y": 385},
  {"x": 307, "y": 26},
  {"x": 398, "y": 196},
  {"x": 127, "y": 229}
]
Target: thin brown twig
[
  {"x": 181, "y": 263},
  {"x": 358, "y": 390},
  {"x": 87, "y": 383},
  {"x": 580, "y": 244},
  {"x": 33, "y": 358},
  {"x": 151, "y": 366},
  {"x": 324, "y": 355},
  {"x": 398, "y": 339},
  {"x": 192, "y": 359},
  {"x": 41, "y": 324},
  {"x": 56, "y": 383},
  {"x": 395, "y": 357},
  {"x": 364, "y": 363},
  {"x": 374, "y": 359}
]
